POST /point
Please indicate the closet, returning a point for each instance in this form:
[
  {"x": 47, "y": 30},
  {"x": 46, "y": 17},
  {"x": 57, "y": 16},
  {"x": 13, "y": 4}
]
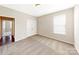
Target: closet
[{"x": 7, "y": 30}]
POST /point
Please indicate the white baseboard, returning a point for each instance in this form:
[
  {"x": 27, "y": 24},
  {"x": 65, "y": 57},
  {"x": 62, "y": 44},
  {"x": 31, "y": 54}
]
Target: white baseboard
[
  {"x": 56, "y": 39},
  {"x": 24, "y": 37}
]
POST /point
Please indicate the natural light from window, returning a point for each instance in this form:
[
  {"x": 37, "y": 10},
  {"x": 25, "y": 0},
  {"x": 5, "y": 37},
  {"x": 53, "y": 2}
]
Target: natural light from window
[{"x": 59, "y": 22}]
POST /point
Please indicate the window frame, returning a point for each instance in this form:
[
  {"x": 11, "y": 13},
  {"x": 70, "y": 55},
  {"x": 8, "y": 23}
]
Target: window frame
[{"x": 61, "y": 25}]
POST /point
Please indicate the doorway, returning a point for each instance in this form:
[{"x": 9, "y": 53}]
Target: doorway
[{"x": 7, "y": 30}]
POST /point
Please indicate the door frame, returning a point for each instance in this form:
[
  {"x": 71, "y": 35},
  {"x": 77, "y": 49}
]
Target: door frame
[{"x": 13, "y": 26}]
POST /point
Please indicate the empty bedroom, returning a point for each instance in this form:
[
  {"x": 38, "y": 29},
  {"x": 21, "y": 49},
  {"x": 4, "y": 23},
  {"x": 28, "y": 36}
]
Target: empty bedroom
[{"x": 39, "y": 29}]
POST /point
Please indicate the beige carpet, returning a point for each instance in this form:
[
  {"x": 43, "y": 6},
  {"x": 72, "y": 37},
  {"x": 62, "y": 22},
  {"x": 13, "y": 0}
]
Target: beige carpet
[{"x": 38, "y": 45}]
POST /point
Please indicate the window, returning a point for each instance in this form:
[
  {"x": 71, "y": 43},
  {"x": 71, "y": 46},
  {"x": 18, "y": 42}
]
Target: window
[{"x": 59, "y": 23}]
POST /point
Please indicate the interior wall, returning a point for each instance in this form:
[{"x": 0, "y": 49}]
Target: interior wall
[
  {"x": 45, "y": 26},
  {"x": 76, "y": 27},
  {"x": 25, "y": 25}
]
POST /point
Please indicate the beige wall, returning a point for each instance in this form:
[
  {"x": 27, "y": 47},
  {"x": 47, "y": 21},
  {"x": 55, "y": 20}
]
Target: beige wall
[
  {"x": 25, "y": 25},
  {"x": 45, "y": 26}
]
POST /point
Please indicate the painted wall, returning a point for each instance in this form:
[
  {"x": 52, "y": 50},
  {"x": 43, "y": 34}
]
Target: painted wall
[
  {"x": 76, "y": 27},
  {"x": 45, "y": 26},
  {"x": 25, "y": 25}
]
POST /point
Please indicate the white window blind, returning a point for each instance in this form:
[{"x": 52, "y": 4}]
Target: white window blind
[{"x": 59, "y": 23}]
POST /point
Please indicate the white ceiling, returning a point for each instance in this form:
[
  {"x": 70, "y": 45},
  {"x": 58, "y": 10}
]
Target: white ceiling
[{"x": 39, "y": 10}]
